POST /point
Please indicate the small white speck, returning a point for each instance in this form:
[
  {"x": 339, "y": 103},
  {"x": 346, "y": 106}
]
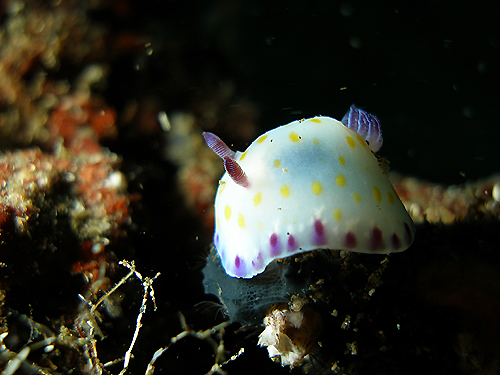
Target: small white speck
[
  {"x": 164, "y": 121},
  {"x": 69, "y": 177},
  {"x": 97, "y": 248},
  {"x": 346, "y": 323},
  {"x": 116, "y": 180}
]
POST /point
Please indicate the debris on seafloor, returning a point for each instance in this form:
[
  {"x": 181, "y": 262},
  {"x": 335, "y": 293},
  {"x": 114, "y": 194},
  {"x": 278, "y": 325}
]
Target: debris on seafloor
[
  {"x": 290, "y": 333},
  {"x": 59, "y": 213},
  {"x": 81, "y": 338},
  {"x": 63, "y": 200},
  {"x": 436, "y": 203}
]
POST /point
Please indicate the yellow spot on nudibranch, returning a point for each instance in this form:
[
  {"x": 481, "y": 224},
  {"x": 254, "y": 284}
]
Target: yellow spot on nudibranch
[
  {"x": 350, "y": 141},
  {"x": 390, "y": 197},
  {"x": 317, "y": 120},
  {"x": 294, "y": 137},
  {"x": 285, "y": 191},
  {"x": 243, "y": 155},
  {"x": 316, "y": 188},
  {"x": 316, "y": 141},
  {"x": 222, "y": 185},
  {"x": 227, "y": 212},
  {"x": 259, "y": 226},
  {"x": 361, "y": 140},
  {"x": 257, "y": 198},
  {"x": 337, "y": 214},
  {"x": 377, "y": 194},
  {"x": 241, "y": 221},
  {"x": 340, "y": 180},
  {"x": 261, "y": 139},
  {"x": 341, "y": 160},
  {"x": 276, "y": 163},
  {"x": 356, "y": 197}
]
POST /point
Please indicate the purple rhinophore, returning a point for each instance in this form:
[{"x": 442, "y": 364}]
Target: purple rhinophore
[
  {"x": 218, "y": 146},
  {"x": 366, "y": 125},
  {"x": 234, "y": 170},
  {"x": 222, "y": 150},
  {"x": 376, "y": 240},
  {"x": 275, "y": 245},
  {"x": 319, "y": 235}
]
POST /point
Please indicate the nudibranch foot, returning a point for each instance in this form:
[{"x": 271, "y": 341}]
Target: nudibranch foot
[
  {"x": 289, "y": 334},
  {"x": 247, "y": 300}
]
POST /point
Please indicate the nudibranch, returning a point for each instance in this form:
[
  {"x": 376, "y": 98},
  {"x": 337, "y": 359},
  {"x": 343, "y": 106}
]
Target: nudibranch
[{"x": 310, "y": 184}]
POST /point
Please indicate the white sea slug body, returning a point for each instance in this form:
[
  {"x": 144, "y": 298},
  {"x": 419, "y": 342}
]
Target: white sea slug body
[{"x": 310, "y": 184}]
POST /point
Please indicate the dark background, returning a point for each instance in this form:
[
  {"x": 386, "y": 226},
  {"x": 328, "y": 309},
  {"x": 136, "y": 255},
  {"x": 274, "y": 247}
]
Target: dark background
[{"x": 427, "y": 69}]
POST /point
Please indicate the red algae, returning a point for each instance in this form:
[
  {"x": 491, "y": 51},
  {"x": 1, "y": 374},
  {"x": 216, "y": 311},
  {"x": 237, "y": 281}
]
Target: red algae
[{"x": 36, "y": 39}]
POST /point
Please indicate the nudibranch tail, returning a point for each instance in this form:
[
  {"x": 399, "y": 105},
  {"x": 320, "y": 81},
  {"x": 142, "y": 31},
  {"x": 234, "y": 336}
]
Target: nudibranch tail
[
  {"x": 234, "y": 170},
  {"x": 218, "y": 146},
  {"x": 366, "y": 125}
]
